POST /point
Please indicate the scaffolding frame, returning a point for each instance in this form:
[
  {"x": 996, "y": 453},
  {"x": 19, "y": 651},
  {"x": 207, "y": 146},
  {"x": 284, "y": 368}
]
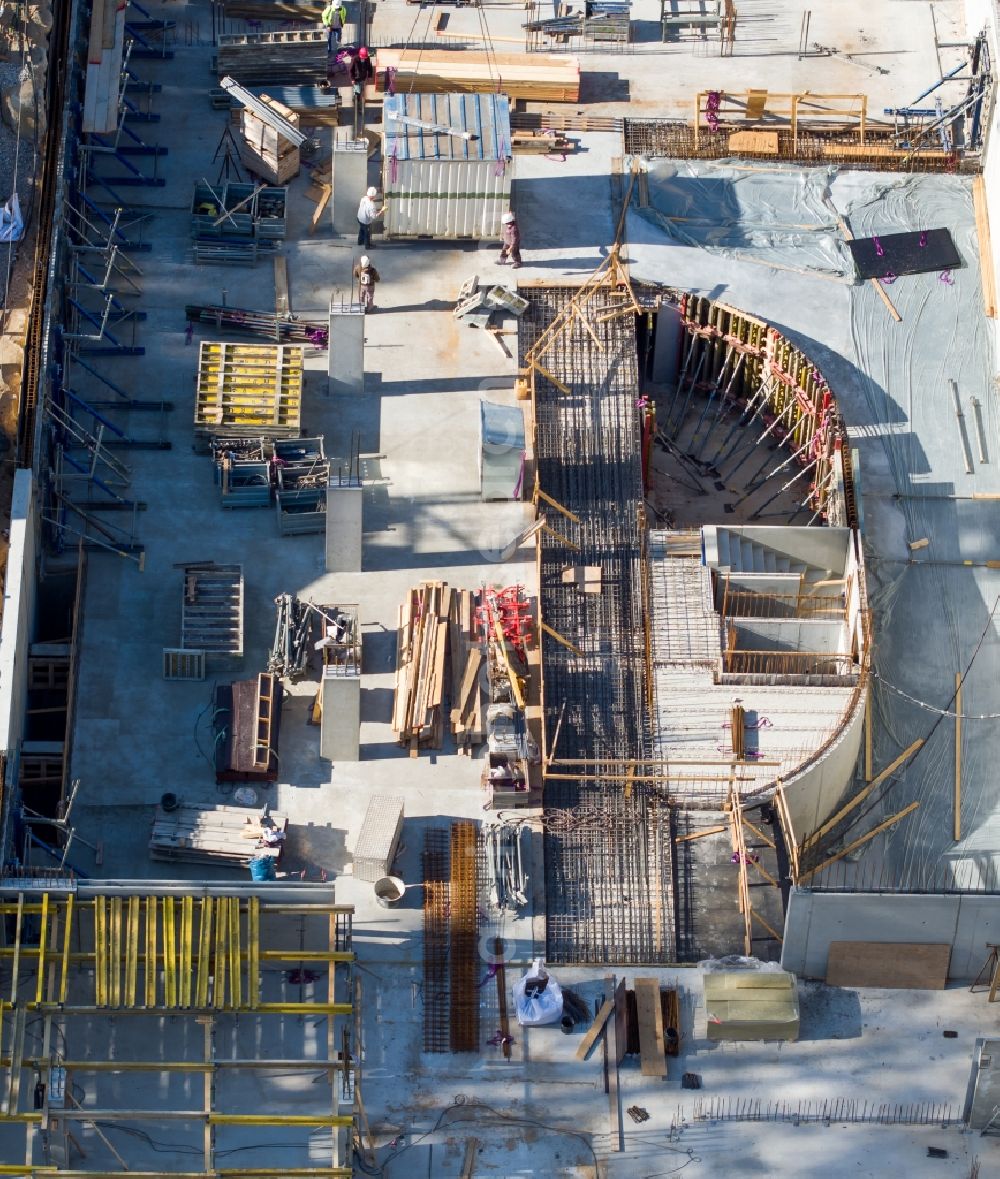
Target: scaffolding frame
[{"x": 197, "y": 954}]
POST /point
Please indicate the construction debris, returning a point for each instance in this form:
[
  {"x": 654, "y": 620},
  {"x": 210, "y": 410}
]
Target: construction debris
[
  {"x": 484, "y": 307},
  {"x": 293, "y": 638}
]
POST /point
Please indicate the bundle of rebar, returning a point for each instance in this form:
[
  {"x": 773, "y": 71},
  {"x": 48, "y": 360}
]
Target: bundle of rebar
[
  {"x": 506, "y": 878},
  {"x": 282, "y": 329},
  {"x": 293, "y": 638},
  {"x": 463, "y": 920}
]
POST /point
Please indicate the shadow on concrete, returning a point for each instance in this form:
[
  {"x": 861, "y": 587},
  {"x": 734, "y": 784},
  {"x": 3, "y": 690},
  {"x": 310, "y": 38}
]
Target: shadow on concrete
[
  {"x": 375, "y": 384},
  {"x": 430, "y": 305},
  {"x": 603, "y": 86},
  {"x": 585, "y": 263},
  {"x": 828, "y": 1013},
  {"x": 376, "y": 705},
  {"x": 315, "y": 846}
]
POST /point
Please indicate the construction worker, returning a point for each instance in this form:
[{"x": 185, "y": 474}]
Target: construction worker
[
  {"x": 367, "y": 277},
  {"x": 362, "y": 72},
  {"x": 334, "y": 17},
  {"x": 510, "y": 237},
  {"x": 368, "y": 214}
]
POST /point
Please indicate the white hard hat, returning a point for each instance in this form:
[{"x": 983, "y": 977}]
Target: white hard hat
[
  {"x": 373, "y": 192},
  {"x": 507, "y": 218},
  {"x": 365, "y": 260}
]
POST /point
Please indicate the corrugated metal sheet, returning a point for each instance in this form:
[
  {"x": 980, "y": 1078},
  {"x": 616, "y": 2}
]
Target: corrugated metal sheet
[
  {"x": 486, "y": 116},
  {"x": 442, "y": 186}
]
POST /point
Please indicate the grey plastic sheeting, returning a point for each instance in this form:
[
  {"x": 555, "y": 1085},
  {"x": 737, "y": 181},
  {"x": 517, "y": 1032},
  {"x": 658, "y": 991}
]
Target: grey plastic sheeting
[
  {"x": 778, "y": 216},
  {"x": 932, "y": 616}
]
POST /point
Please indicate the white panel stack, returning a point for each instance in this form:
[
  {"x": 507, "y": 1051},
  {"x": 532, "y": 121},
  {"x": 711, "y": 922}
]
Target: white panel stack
[{"x": 379, "y": 837}]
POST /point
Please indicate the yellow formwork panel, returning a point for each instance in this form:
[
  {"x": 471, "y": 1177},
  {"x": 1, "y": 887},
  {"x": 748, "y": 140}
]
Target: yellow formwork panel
[{"x": 249, "y": 386}]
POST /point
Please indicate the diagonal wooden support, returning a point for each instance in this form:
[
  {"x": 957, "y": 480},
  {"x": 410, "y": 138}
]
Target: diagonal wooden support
[
  {"x": 554, "y": 634},
  {"x": 549, "y": 377},
  {"x": 570, "y": 544},
  {"x": 861, "y": 795},
  {"x": 538, "y": 494},
  {"x": 859, "y": 842}
]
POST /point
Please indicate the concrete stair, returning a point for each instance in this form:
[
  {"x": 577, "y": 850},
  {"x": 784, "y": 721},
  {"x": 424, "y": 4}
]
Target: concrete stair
[{"x": 726, "y": 550}]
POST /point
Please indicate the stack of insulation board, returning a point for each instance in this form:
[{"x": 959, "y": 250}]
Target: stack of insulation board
[
  {"x": 263, "y": 150},
  {"x": 536, "y": 77},
  {"x": 448, "y": 183},
  {"x": 104, "y": 66},
  {"x": 751, "y": 1005},
  {"x": 249, "y": 388}
]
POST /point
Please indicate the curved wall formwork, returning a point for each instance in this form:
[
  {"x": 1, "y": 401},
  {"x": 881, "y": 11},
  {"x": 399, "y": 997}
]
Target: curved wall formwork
[{"x": 722, "y": 666}]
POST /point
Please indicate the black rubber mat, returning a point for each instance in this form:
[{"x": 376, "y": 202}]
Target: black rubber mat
[{"x": 904, "y": 253}]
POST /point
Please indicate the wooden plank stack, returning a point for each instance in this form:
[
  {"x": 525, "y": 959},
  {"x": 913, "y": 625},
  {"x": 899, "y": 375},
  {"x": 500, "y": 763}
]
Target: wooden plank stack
[
  {"x": 207, "y": 834},
  {"x": 434, "y": 616},
  {"x": 263, "y": 150},
  {"x": 537, "y": 77},
  {"x": 468, "y": 708},
  {"x": 104, "y": 66}
]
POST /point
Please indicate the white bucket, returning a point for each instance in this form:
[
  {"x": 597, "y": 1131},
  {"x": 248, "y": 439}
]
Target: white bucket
[{"x": 389, "y": 891}]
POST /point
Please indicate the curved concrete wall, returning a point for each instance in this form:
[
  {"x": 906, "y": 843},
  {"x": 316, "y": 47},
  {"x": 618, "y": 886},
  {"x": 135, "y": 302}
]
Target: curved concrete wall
[{"x": 813, "y": 794}]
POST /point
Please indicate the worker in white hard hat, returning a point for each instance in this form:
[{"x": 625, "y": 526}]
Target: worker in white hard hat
[
  {"x": 368, "y": 213},
  {"x": 367, "y": 276},
  {"x": 510, "y": 237}
]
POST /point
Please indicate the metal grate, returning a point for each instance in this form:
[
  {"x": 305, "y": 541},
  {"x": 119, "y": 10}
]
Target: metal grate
[{"x": 179, "y": 664}]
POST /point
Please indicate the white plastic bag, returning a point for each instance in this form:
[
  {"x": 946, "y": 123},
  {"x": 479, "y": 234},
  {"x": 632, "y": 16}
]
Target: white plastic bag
[
  {"x": 535, "y": 1007},
  {"x": 11, "y": 222}
]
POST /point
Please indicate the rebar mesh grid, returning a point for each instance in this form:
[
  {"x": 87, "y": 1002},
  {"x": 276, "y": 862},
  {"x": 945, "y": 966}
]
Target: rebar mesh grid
[
  {"x": 436, "y": 973},
  {"x": 609, "y": 881},
  {"x": 672, "y": 139},
  {"x": 464, "y": 953}
]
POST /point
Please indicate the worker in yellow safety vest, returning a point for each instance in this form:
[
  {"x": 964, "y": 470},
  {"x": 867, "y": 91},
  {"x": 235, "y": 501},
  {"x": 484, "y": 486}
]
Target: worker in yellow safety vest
[{"x": 334, "y": 17}]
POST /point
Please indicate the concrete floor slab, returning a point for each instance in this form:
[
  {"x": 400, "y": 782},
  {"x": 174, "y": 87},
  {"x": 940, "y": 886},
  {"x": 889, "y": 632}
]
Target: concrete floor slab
[{"x": 137, "y": 736}]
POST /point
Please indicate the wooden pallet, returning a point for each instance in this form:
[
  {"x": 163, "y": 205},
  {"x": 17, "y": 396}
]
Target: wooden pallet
[{"x": 212, "y": 611}]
